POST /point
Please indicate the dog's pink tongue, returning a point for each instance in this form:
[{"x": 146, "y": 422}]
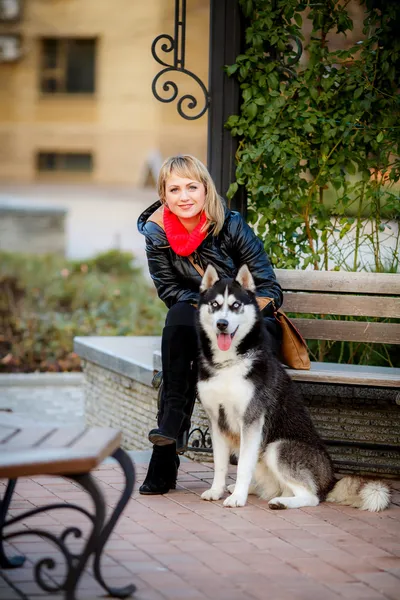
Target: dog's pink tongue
[{"x": 224, "y": 341}]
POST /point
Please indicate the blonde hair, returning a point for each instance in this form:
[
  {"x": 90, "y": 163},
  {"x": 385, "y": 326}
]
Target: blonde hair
[{"x": 185, "y": 165}]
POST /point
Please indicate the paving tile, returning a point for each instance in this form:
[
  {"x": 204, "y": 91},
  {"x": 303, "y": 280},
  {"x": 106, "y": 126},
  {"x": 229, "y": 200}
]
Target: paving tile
[
  {"x": 391, "y": 546},
  {"x": 278, "y": 547},
  {"x": 220, "y": 563},
  {"x": 356, "y": 591},
  {"x": 214, "y": 534},
  {"x": 191, "y": 544},
  {"x": 240, "y": 547},
  {"x": 123, "y": 556},
  {"x": 384, "y": 583},
  {"x": 385, "y": 563},
  {"x": 347, "y": 562},
  {"x": 307, "y": 591},
  {"x": 148, "y": 594},
  {"x": 365, "y": 550},
  {"x": 320, "y": 570}
]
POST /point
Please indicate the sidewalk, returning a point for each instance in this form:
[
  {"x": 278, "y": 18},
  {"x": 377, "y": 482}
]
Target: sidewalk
[{"x": 178, "y": 546}]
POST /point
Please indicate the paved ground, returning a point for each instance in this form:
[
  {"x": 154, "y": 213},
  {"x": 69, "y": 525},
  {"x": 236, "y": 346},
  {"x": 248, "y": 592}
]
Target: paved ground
[
  {"x": 178, "y": 546},
  {"x": 44, "y": 396}
]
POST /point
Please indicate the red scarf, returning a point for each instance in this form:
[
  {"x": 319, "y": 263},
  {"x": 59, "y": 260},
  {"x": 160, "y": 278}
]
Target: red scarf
[{"x": 182, "y": 242}]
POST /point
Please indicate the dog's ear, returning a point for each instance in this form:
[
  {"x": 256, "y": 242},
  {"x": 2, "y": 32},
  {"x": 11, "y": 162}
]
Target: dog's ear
[
  {"x": 209, "y": 278},
  {"x": 245, "y": 278}
]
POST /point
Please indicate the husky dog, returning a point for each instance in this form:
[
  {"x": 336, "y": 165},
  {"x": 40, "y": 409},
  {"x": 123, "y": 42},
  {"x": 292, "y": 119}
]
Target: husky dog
[{"x": 256, "y": 411}]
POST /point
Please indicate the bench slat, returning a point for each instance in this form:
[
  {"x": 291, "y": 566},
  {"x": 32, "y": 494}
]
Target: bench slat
[
  {"x": 6, "y": 432},
  {"x": 349, "y": 331},
  {"x": 64, "y": 461},
  {"x": 46, "y": 450},
  {"x": 339, "y": 281},
  {"x": 63, "y": 437},
  {"x": 29, "y": 438},
  {"x": 95, "y": 437},
  {"x": 332, "y": 304},
  {"x": 348, "y": 375}
]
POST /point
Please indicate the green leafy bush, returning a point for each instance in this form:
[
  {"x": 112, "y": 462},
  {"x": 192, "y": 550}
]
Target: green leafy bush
[
  {"x": 319, "y": 139},
  {"x": 45, "y": 301},
  {"x": 114, "y": 262}
]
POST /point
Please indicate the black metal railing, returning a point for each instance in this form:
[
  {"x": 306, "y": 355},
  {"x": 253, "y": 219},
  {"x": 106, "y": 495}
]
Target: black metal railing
[{"x": 187, "y": 105}]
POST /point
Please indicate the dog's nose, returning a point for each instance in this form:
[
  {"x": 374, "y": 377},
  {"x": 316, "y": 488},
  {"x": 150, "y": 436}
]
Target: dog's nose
[{"x": 222, "y": 324}]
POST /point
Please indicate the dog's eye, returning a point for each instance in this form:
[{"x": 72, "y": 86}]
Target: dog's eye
[
  {"x": 215, "y": 304},
  {"x": 236, "y": 305}
]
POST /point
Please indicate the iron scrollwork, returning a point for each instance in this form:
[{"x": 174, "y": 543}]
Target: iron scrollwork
[
  {"x": 75, "y": 562},
  {"x": 286, "y": 60},
  {"x": 176, "y": 44},
  {"x": 199, "y": 440}
]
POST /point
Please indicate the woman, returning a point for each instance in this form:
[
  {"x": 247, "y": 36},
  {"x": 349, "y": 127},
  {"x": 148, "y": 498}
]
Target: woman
[{"x": 185, "y": 231}]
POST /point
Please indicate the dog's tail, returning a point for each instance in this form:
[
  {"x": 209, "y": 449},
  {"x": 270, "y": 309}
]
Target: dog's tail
[{"x": 361, "y": 492}]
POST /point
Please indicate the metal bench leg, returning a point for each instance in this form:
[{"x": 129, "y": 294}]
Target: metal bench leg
[
  {"x": 78, "y": 562},
  {"x": 127, "y": 467},
  {"x": 15, "y": 561},
  {"x": 75, "y": 563}
]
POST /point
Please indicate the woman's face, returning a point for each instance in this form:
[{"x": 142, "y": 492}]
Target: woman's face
[{"x": 185, "y": 198}]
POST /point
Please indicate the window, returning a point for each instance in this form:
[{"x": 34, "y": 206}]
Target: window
[
  {"x": 10, "y": 10},
  {"x": 10, "y": 48},
  {"x": 74, "y": 162},
  {"x": 68, "y": 66}
]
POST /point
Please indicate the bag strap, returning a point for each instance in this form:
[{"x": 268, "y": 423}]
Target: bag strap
[
  {"x": 196, "y": 265},
  {"x": 273, "y": 304}
]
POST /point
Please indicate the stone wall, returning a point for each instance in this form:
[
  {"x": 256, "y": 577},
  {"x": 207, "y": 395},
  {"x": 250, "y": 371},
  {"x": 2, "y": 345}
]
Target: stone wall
[
  {"x": 32, "y": 230},
  {"x": 117, "y": 401},
  {"x": 111, "y": 399},
  {"x": 363, "y": 422}
]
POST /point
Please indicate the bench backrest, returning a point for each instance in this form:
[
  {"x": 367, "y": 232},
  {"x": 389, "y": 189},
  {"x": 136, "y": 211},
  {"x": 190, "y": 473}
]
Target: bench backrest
[{"x": 341, "y": 294}]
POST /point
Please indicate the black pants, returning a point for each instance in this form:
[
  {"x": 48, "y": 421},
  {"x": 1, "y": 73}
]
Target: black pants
[{"x": 179, "y": 350}]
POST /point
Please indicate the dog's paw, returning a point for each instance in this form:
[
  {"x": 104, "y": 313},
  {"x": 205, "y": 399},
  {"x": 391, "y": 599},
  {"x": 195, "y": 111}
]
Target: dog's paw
[
  {"x": 212, "y": 494},
  {"x": 231, "y": 488},
  {"x": 234, "y": 500},
  {"x": 276, "y": 504}
]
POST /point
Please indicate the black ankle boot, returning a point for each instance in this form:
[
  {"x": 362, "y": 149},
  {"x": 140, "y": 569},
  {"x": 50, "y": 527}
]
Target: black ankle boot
[{"x": 162, "y": 472}]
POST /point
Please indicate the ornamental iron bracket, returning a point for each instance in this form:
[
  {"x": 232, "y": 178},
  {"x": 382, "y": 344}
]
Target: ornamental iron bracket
[
  {"x": 286, "y": 61},
  {"x": 176, "y": 45}
]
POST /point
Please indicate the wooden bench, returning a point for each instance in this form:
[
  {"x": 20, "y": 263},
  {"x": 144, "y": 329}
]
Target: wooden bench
[
  {"x": 28, "y": 449},
  {"x": 355, "y": 407},
  {"x": 341, "y": 294}
]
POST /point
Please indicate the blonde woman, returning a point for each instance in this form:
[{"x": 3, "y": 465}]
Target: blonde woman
[{"x": 187, "y": 229}]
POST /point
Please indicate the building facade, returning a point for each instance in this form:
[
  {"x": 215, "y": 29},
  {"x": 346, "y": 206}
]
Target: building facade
[{"x": 75, "y": 89}]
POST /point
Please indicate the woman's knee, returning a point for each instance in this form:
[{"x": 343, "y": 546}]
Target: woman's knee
[{"x": 181, "y": 313}]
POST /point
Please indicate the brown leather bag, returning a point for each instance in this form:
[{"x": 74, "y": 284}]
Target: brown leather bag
[{"x": 294, "y": 351}]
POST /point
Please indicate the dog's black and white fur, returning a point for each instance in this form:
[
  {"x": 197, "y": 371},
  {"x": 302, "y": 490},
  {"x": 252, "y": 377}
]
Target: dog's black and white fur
[{"x": 256, "y": 411}]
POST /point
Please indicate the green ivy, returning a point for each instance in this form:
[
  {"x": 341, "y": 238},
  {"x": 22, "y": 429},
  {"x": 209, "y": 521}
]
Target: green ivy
[{"x": 319, "y": 139}]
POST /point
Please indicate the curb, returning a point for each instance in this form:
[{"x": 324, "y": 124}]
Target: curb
[{"x": 40, "y": 379}]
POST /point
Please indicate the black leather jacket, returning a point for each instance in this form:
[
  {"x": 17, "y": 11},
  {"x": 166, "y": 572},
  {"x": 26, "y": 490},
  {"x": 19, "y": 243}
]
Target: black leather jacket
[{"x": 177, "y": 280}]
